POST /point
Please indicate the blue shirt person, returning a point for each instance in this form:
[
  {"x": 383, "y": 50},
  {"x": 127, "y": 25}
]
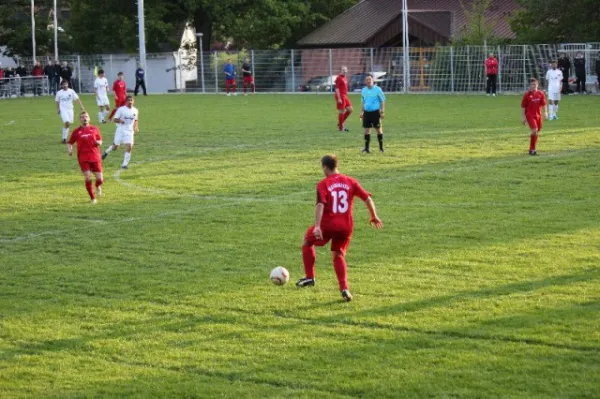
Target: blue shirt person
[
  {"x": 140, "y": 75},
  {"x": 373, "y": 109},
  {"x": 229, "y": 71}
]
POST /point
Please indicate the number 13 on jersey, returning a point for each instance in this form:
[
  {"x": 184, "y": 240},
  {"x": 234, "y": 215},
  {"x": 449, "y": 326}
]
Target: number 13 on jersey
[{"x": 340, "y": 201}]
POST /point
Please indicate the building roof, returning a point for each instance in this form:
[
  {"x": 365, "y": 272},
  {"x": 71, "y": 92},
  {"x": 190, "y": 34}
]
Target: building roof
[{"x": 445, "y": 17}]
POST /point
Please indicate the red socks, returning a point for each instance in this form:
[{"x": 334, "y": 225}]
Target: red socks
[
  {"x": 112, "y": 113},
  {"x": 339, "y": 264},
  {"x": 341, "y": 120},
  {"x": 309, "y": 257},
  {"x": 346, "y": 115},
  {"x": 99, "y": 182},
  {"x": 90, "y": 190},
  {"x": 533, "y": 142}
]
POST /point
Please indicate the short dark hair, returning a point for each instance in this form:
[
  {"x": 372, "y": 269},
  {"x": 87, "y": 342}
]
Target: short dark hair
[
  {"x": 533, "y": 80},
  {"x": 369, "y": 75},
  {"x": 100, "y": 71},
  {"x": 128, "y": 97},
  {"x": 64, "y": 82},
  {"x": 329, "y": 161},
  {"x": 120, "y": 73}
]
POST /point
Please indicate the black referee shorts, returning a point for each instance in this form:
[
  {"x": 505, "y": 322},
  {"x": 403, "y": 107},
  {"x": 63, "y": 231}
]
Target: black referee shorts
[{"x": 371, "y": 119}]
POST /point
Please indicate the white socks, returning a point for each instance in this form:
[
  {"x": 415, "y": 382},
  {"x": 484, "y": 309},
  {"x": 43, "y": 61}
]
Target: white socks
[
  {"x": 100, "y": 116},
  {"x": 109, "y": 149},
  {"x": 126, "y": 158},
  {"x": 65, "y": 133}
]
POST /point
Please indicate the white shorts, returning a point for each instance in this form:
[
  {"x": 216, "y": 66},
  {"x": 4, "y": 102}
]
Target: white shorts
[
  {"x": 554, "y": 95},
  {"x": 102, "y": 100},
  {"x": 66, "y": 115},
  {"x": 123, "y": 137}
]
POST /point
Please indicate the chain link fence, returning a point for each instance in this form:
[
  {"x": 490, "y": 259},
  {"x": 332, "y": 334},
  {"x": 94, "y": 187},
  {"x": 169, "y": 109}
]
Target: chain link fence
[{"x": 432, "y": 69}]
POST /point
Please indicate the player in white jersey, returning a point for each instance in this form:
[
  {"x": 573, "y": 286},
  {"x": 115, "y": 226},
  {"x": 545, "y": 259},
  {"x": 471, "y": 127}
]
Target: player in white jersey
[
  {"x": 101, "y": 92},
  {"x": 64, "y": 107},
  {"x": 554, "y": 78},
  {"x": 126, "y": 119}
]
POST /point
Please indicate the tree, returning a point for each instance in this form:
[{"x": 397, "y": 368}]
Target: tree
[
  {"x": 556, "y": 21},
  {"x": 15, "y": 27},
  {"x": 479, "y": 29}
]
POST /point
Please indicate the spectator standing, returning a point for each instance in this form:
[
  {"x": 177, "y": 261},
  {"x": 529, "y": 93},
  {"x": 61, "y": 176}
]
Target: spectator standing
[
  {"x": 491, "y": 68},
  {"x": 56, "y": 76},
  {"x": 37, "y": 72},
  {"x": 564, "y": 64},
  {"x": 66, "y": 74},
  {"x": 49, "y": 73},
  {"x": 140, "y": 75},
  {"x": 21, "y": 71},
  {"x": 580, "y": 73},
  {"x": 598, "y": 71},
  {"x": 1, "y": 81}
]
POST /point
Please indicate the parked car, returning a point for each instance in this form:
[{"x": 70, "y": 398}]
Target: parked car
[
  {"x": 319, "y": 83},
  {"x": 357, "y": 81},
  {"x": 390, "y": 84}
]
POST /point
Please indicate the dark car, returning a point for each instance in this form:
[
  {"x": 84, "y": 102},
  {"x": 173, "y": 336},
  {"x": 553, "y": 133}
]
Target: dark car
[
  {"x": 390, "y": 84},
  {"x": 357, "y": 81},
  {"x": 318, "y": 83}
]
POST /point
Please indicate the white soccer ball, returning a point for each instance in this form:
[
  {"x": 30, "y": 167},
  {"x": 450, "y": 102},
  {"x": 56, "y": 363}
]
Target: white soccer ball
[{"x": 280, "y": 275}]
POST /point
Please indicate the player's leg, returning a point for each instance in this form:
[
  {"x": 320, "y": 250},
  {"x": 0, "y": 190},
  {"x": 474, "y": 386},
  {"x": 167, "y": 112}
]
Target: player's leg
[
  {"x": 127, "y": 155},
  {"x": 245, "y": 82},
  {"x": 583, "y": 83},
  {"x": 488, "y": 84},
  {"x": 227, "y": 84},
  {"x": 87, "y": 175},
  {"x": 65, "y": 132},
  {"x": 556, "y": 106},
  {"x": 380, "y": 137},
  {"x": 252, "y": 86},
  {"x": 234, "y": 87},
  {"x": 309, "y": 257},
  {"x": 347, "y": 111},
  {"x": 494, "y": 83},
  {"x": 339, "y": 246},
  {"x": 534, "y": 126},
  {"x": 137, "y": 87},
  {"x": 144, "y": 86}
]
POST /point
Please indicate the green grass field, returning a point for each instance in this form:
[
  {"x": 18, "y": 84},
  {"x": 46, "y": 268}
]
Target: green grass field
[{"x": 484, "y": 282}]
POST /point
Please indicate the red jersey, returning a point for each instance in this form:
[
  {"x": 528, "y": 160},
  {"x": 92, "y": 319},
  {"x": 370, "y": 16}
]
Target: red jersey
[
  {"x": 85, "y": 137},
  {"x": 37, "y": 71},
  {"x": 120, "y": 88},
  {"x": 341, "y": 84},
  {"x": 533, "y": 101},
  {"x": 491, "y": 66},
  {"x": 337, "y": 193}
]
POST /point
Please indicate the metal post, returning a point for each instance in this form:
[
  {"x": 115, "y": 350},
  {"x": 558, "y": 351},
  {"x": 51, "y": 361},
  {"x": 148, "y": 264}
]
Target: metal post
[
  {"x": 468, "y": 69},
  {"x": 200, "y": 36},
  {"x": 371, "y": 60},
  {"x": 330, "y": 71},
  {"x": 499, "y": 88},
  {"x": 33, "y": 29},
  {"x": 79, "y": 72},
  {"x": 55, "y": 32},
  {"x": 452, "y": 69},
  {"x": 293, "y": 73},
  {"x": 524, "y": 68},
  {"x": 142, "y": 37},
  {"x": 216, "y": 72},
  {"x": 181, "y": 82},
  {"x": 405, "y": 46},
  {"x": 252, "y": 66}
]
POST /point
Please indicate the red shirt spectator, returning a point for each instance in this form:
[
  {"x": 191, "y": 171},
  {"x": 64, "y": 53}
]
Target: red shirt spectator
[
  {"x": 491, "y": 65},
  {"x": 37, "y": 70}
]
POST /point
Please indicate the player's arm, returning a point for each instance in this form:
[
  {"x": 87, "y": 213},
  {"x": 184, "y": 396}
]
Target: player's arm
[
  {"x": 382, "y": 99},
  {"x": 319, "y": 209},
  {"x": 374, "y": 220},
  {"x": 338, "y": 96},
  {"x": 545, "y": 108},
  {"x": 136, "y": 126},
  {"x": 58, "y": 107}
]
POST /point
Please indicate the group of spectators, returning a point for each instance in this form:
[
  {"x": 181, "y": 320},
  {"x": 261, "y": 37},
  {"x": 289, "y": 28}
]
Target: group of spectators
[
  {"x": 54, "y": 71},
  {"x": 564, "y": 64}
]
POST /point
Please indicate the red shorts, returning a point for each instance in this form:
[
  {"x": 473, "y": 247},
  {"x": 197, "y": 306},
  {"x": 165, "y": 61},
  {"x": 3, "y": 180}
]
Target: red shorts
[
  {"x": 248, "y": 79},
  {"x": 94, "y": 166},
  {"x": 344, "y": 104},
  {"x": 339, "y": 240},
  {"x": 120, "y": 102},
  {"x": 230, "y": 82},
  {"x": 535, "y": 122}
]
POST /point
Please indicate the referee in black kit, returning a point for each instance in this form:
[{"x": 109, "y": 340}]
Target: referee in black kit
[{"x": 373, "y": 109}]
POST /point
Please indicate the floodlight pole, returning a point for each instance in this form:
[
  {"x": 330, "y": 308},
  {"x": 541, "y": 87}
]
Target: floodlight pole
[
  {"x": 142, "y": 35},
  {"x": 33, "y": 29},
  {"x": 199, "y": 36},
  {"x": 405, "y": 46},
  {"x": 55, "y": 32}
]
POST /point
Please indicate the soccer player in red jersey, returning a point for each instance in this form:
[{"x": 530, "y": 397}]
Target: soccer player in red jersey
[
  {"x": 333, "y": 222},
  {"x": 344, "y": 105},
  {"x": 120, "y": 90},
  {"x": 88, "y": 140},
  {"x": 532, "y": 103}
]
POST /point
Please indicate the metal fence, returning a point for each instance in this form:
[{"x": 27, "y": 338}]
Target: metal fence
[
  {"x": 26, "y": 86},
  {"x": 432, "y": 69}
]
